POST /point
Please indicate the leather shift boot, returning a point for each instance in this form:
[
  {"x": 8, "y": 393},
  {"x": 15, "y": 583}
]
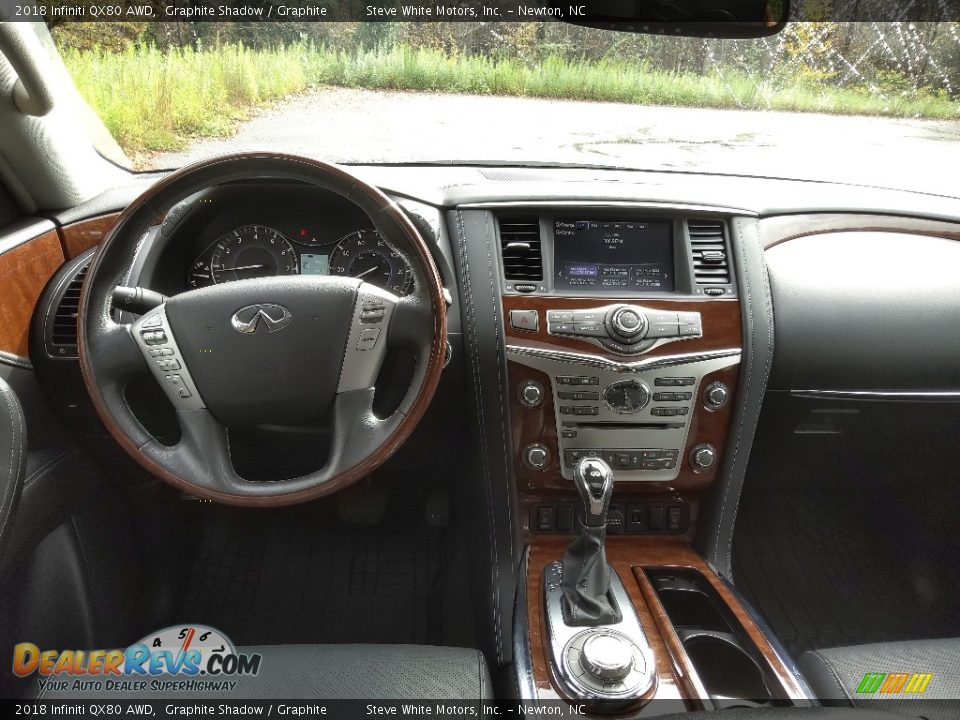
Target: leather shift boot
[{"x": 586, "y": 580}]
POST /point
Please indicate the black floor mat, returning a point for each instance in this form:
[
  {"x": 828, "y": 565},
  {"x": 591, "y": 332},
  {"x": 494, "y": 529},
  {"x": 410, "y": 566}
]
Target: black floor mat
[
  {"x": 834, "y": 568},
  {"x": 302, "y": 576}
]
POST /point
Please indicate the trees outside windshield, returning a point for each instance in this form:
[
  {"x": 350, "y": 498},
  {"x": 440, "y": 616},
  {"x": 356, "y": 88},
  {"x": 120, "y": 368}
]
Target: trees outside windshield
[{"x": 856, "y": 102}]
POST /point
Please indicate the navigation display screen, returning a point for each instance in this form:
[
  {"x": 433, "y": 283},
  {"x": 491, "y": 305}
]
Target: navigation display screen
[{"x": 610, "y": 255}]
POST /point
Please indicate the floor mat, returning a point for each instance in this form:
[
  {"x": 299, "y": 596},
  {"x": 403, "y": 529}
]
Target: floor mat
[
  {"x": 292, "y": 576},
  {"x": 828, "y": 569}
]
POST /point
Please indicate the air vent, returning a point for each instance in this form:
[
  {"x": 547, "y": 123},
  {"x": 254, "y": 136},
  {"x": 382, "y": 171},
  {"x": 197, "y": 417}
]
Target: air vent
[
  {"x": 63, "y": 333},
  {"x": 520, "y": 248},
  {"x": 711, "y": 266}
]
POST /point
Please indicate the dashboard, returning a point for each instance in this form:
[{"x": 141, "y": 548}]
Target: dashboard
[{"x": 241, "y": 232}]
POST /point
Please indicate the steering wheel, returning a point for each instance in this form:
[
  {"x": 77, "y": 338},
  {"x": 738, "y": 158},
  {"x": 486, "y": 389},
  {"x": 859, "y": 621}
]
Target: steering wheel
[{"x": 280, "y": 351}]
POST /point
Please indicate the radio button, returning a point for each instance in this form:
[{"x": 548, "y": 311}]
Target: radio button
[
  {"x": 564, "y": 328},
  {"x": 663, "y": 331},
  {"x": 593, "y": 329},
  {"x": 559, "y": 316},
  {"x": 662, "y": 318}
]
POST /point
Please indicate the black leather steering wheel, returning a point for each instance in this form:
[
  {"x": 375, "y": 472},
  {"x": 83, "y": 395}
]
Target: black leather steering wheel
[{"x": 280, "y": 351}]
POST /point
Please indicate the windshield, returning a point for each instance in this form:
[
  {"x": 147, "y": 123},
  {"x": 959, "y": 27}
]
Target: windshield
[{"x": 865, "y": 103}]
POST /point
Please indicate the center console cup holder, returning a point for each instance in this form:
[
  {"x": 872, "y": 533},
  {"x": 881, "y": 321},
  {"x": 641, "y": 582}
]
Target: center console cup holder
[
  {"x": 719, "y": 649},
  {"x": 725, "y": 668}
]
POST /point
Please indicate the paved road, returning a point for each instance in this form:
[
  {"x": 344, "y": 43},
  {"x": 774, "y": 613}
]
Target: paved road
[{"x": 350, "y": 125}]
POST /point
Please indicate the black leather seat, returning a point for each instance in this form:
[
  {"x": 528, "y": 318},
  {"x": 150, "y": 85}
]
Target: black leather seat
[
  {"x": 836, "y": 674},
  {"x": 331, "y": 672}
]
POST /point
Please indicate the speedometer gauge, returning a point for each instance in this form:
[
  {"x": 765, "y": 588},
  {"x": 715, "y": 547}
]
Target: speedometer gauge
[
  {"x": 364, "y": 254},
  {"x": 252, "y": 251}
]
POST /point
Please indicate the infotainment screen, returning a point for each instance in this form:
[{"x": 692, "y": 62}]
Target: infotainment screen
[{"x": 612, "y": 255}]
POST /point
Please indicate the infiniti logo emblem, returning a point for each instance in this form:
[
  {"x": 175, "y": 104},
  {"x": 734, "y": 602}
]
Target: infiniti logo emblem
[{"x": 249, "y": 319}]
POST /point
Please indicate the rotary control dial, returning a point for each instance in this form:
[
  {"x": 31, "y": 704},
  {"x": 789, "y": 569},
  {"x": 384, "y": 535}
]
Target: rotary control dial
[
  {"x": 628, "y": 322},
  {"x": 627, "y": 396}
]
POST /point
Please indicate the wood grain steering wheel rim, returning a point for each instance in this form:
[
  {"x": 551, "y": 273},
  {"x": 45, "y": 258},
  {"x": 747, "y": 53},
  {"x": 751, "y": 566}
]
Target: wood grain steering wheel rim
[{"x": 110, "y": 357}]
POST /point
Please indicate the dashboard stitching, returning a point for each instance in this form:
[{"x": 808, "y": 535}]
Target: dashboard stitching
[
  {"x": 16, "y": 452},
  {"x": 750, "y": 359},
  {"x": 478, "y": 394},
  {"x": 507, "y": 454}
]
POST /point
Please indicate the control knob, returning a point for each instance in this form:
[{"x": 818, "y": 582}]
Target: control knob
[
  {"x": 702, "y": 457},
  {"x": 715, "y": 396},
  {"x": 628, "y": 322},
  {"x": 607, "y": 656},
  {"x": 531, "y": 394},
  {"x": 536, "y": 456}
]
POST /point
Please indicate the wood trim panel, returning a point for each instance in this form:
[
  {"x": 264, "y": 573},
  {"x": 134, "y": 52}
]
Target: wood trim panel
[
  {"x": 85, "y": 234},
  {"x": 628, "y": 557},
  {"x": 24, "y": 272},
  {"x": 721, "y": 324},
  {"x": 782, "y": 228}
]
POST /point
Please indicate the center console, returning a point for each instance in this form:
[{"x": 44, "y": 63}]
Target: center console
[
  {"x": 622, "y": 335},
  {"x": 623, "y": 341}
]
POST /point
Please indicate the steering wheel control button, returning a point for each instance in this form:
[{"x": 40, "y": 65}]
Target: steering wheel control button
[
  {"x": 154, "y": 337},
  {"x": 371, "y": 315},
  {"x": 153, "y": 321},
  {"x": 168, "y": 365},
  {"x": 531, "y": 394},
  {"x": 368, "y": 339},
  {"x": 715, "y": 396},
  {"x": 536, "y": 456},
  {"x": 702, "y": 457},
  {"x": 525, "y": 320},
  {"x": 160, "y": 352},
  {"x": 626, "y": 397},
  {"x": 364, "y": 355}
]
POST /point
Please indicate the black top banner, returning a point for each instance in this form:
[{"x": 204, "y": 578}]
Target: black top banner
[{"x": 666, "y": 11}]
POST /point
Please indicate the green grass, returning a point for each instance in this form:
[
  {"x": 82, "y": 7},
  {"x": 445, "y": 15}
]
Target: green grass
[{"x": 153, "y": 100}]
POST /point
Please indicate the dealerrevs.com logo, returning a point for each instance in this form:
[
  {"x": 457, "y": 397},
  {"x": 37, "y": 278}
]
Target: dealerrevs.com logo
[{"x": 185, "y": 658}]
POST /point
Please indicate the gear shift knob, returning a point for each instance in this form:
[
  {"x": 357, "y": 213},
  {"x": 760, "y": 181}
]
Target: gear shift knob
[{"x": 594, "y": 480}]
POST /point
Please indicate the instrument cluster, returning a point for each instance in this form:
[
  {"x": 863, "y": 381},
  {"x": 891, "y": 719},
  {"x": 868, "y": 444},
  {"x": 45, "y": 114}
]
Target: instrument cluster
[{"x": 260, "y": 250}]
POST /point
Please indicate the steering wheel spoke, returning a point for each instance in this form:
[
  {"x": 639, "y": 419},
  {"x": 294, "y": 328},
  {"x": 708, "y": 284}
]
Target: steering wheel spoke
[{"x": 412, "y": 321}]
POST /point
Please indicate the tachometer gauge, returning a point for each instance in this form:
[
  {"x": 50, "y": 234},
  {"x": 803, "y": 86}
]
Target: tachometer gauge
[
  {"x": 364, "y": 254},
  {"x": 252, "y": 251}
]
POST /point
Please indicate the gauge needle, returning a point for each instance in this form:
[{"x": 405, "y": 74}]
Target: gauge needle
[
  {"x": 240, "y": 267},
  {"x": 367, "y": 272}
]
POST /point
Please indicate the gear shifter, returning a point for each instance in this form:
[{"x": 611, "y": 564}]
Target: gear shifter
[{"x": 586, "y": 575}]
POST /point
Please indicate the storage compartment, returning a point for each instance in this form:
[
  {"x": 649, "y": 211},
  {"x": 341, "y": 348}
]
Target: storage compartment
[{"x": 721, "y": 653}]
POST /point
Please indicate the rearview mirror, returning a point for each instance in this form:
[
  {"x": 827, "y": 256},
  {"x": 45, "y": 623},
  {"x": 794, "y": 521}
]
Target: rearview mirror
[{"x": 697, "y": 18}]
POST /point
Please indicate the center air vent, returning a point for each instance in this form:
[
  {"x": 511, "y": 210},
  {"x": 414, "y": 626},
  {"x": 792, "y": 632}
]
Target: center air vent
[
  {"x": 520, "y": 248},
  {"x": 711, "y": 265},
  {"x": 63, "y": 330}
]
